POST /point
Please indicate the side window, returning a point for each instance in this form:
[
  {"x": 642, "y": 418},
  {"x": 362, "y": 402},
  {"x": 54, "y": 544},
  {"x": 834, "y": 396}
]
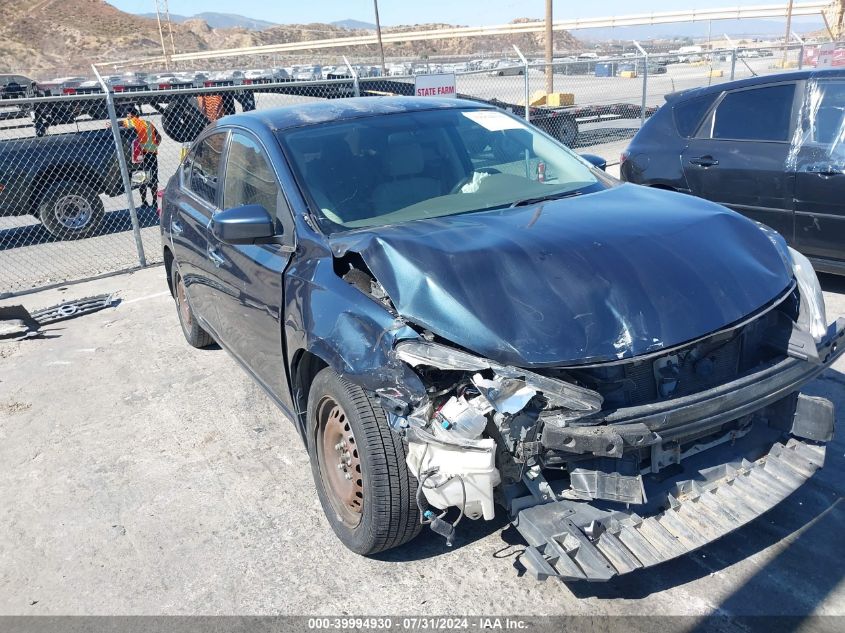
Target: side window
[
  {"x": 204, "y": 167},
  {"x": 249, "y": 177},
  {"x": 688, "y": 114},
  {"x": 828, "y": 126},
  {"x": 185, "y": 170},
  {"x": 758, "y": 114}
]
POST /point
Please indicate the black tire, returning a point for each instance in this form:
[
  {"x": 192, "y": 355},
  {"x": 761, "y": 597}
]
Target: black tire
[
  {"x": 386, "y": 510},
  {"x": 182, "y": 120},
  {"x": 567, "y": 131},
  {"x": 194, "y": 334},
  {"x": 70, "y": 210}
]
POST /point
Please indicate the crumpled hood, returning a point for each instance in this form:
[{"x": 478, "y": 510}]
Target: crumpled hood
[{"x": 595, "y": 277}]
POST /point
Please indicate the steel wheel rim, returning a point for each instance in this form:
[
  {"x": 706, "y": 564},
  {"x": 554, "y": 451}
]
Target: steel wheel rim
[
  {"x": 182, "y": 302},
  {"x": 73, "y": 211},
  {"x": 340, "y": 464}
]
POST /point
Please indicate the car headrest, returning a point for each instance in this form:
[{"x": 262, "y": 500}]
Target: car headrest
[{"x": 406, "y": 159}]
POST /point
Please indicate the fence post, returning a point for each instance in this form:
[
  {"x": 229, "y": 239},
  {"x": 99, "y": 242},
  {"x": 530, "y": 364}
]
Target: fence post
[
  {"x": 733, "y": 63},
  {"x": 355, "y": 87},
  {"x": 801, "y": 57},
  {"x": 527, "y": 84},
  {"x": 124, "y": 170},
  {"x": 645, "y": 81}
]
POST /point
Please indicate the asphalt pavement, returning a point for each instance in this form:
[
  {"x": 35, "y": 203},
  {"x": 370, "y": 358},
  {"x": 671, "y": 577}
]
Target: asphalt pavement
[{"x": 141, "y": 476}]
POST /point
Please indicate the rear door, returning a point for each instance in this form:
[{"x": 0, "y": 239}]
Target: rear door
[
  {"x": 248, "y": 278},
  {"x": 738, "y": 157},
  {"x": 197, "y": 200},
  {"x": 820, "y": 172}
]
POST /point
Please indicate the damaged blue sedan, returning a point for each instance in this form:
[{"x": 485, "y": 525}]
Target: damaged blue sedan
[{"x": 465, "y": 318}]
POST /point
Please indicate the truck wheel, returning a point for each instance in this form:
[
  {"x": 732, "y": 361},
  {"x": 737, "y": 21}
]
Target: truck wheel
[
  {"x": 182, "y": 121},
  {"x": 567, "y": 132},
  {"x": 194, "y": 334},
  {"x": 70, "y": 210},
  {"x": 365, "y": 488}
]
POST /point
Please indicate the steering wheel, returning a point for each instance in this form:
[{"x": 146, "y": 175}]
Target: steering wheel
[{"x": 467, "y": 179}]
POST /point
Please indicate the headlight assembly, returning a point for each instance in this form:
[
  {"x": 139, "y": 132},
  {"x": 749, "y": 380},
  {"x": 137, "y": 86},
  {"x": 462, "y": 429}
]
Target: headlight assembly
[{"x": 812, "y": 315}]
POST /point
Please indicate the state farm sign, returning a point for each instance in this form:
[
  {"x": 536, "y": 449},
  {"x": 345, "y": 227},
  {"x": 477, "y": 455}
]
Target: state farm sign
[{"x": 434, "y": 85}]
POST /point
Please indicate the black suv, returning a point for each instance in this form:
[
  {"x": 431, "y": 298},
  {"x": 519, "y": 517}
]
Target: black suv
[{"x": 772, "y": 148}]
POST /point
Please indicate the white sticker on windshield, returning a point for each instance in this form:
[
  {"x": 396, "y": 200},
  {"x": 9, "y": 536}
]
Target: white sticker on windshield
[{"x": 492, "y": 120}]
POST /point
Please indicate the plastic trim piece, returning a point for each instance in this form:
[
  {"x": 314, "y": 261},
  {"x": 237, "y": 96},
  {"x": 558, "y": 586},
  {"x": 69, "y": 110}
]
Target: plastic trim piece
[{"x": 572, "y": 540}]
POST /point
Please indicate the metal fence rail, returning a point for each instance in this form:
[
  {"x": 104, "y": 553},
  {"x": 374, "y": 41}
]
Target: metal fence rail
[{"x": 66, "y": 163}]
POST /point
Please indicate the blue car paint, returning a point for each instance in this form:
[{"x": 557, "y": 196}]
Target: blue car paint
[{"x": 592, "y": 278}]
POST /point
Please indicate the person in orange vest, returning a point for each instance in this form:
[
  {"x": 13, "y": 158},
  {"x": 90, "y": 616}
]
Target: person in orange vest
[
  {"x": 211, "y": 106},
  {"x": 148, "y": 142}
]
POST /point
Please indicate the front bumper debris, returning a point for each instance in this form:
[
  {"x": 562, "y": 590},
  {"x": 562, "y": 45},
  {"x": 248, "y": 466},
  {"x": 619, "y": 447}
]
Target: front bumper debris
[
  {"x": 636, "y": 427},
  {"x": 575, "y": 541}
]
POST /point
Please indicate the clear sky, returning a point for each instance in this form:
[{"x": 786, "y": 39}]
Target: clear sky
[{"x": 469, "y": 12}]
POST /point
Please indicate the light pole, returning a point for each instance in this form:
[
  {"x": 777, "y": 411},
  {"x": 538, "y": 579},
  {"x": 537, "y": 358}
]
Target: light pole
[
  {"x": 380, "y": 45},
  {"x": 788, "y": 31},
  {"x": 550, "y": 47}
]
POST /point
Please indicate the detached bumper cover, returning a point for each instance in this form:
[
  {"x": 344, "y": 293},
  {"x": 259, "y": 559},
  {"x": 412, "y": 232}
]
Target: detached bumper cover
[
  {"x": 575, "y": 540},
  {"x": 565, "y": 538}
]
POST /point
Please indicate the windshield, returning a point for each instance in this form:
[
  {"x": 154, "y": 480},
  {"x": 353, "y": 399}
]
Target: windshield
[{"x": 396, "y": 168}]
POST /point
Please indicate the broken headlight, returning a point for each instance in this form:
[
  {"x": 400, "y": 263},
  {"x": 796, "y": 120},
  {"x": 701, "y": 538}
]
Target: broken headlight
[
  {"x": 558, "y": 393},
  {"x": 812, "y": 314},
  {"x": 436, "y": 355}
]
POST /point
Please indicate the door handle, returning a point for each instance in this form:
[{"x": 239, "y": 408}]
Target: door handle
[
  {"x": 704, "y": 161},
  {"x": 215, "y": 256},
  {"x": 176, "y": 227}
]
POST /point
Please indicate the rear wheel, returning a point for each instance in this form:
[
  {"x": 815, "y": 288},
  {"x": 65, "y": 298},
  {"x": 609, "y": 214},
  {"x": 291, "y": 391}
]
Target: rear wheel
[
  {"x": 194, "y": 334},
  {"x": 567, "y": 132},
  {"x": 358, "y": 463},
  {"x": 70, "y": 210}
]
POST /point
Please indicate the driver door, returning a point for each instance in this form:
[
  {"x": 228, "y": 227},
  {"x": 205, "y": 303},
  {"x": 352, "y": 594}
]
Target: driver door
[{"x": 249, "y": 277}]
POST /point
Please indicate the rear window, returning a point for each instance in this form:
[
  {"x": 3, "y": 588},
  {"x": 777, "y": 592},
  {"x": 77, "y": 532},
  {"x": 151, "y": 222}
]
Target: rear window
[
  {"x": 688, "y": 114},
  {"x": 760, "y": 114}
]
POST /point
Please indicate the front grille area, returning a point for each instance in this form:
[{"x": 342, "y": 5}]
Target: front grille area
[{"x": 687, "y": 370}]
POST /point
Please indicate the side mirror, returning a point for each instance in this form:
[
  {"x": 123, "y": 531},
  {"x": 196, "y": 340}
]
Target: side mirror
[
  {"x": 243, "y": 225},
  {"x": 597, "y": 161}
]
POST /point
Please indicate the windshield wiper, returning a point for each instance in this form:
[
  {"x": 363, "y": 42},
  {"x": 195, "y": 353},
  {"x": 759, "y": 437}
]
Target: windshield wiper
[{"x": 552, "y": 196}]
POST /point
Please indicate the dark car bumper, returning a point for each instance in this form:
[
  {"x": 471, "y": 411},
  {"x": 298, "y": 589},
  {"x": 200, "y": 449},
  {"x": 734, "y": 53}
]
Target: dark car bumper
[
  {"x": 635, "y": 427},
  {"x": 718, "y": 490}
]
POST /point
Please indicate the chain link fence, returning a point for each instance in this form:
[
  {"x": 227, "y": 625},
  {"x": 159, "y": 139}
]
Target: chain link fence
[
  {"x": 63, "y": 212},
  {"x": 67, "y": 161}
]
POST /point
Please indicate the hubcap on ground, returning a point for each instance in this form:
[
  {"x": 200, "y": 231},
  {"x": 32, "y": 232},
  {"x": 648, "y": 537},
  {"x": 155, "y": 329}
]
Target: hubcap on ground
[
  {"x": 72, "y": 211},
  {"x": 340, "y": 465},
  {"x": 182, "y": 301}
]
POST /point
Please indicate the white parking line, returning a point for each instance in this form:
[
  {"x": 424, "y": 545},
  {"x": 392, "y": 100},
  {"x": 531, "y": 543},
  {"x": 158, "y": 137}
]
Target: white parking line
[{"x": 146, "y": 297}]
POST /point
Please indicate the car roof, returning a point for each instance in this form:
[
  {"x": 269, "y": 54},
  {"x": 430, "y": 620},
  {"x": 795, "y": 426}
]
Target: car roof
[
  {"x": 795, "y": 75},
  {"x": 331, "y": 110}
]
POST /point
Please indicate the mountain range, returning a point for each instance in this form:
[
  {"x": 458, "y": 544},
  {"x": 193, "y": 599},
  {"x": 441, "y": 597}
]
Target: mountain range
[
  {"x": 233, "y": 20},
  {"x": 218, "y": 20},
  {"x": 51, "y": 38}
]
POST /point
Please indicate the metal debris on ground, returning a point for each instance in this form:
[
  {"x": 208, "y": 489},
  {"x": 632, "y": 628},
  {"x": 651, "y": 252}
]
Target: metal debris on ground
[{"x": 17, "y": 323}]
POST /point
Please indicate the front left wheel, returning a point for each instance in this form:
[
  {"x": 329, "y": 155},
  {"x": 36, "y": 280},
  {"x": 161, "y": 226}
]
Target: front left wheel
[
  {"x": 358, "y": 463},
  {"x": 194, "y": 333}
]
